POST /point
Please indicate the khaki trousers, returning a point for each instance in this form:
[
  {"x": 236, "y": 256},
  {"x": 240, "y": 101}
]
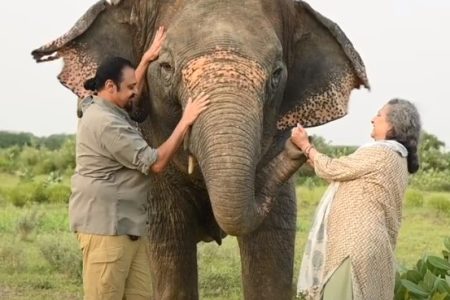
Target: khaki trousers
[{"x": 115, "y": 267}]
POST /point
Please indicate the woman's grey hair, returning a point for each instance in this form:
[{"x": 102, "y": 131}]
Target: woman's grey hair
[{"x": 406, "y": 128}]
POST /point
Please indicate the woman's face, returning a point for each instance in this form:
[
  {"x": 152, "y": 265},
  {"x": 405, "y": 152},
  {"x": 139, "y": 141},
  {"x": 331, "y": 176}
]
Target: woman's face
[{"x": 380, "y": 123}]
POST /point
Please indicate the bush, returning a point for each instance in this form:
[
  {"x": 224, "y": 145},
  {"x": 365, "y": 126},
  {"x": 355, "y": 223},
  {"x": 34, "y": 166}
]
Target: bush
[
  {"x": 27, "y": 224},
  {"x": 58, "y": 193},
  {"x": 28, "y": 192},
  {"x": 429, "y": 279},
  {"x": 63, "y": 254},
  {"x": 12, "y": 258},
  {"x": 414, "y": 198},
  {"x": 440, "y": 203},
  {"x": 431, "y": 181}
]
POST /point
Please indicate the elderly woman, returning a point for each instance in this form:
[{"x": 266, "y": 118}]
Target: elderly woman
[{"x": 350, "y": 249}]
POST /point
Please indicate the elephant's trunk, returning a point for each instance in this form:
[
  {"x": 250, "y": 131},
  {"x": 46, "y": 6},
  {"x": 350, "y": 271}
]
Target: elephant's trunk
[
  {"x": 228, "y": 151},
  {"x": 226, "y": 141}
]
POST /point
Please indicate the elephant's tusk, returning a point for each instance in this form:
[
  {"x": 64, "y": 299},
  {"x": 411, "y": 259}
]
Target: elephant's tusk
[{"x": 191, "y": 164}]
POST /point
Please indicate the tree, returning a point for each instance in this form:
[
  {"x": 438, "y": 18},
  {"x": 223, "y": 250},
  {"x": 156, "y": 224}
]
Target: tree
[{"x": 432, "y": 154}]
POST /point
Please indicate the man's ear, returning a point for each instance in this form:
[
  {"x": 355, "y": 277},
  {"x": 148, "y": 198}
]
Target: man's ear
[{"x": 110, "y": 86}]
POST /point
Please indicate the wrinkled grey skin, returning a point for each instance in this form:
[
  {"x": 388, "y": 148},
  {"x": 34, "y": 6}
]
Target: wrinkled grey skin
[{"x": 266, "y": 65}]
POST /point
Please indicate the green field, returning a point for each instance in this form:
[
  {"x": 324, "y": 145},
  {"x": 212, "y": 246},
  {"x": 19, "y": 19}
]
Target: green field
[{"x": 40, "y": 259}]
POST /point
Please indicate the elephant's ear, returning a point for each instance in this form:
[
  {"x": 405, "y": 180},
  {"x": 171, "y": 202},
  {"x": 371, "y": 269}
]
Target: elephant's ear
[
  {"x": 323, "y": 71},
  {"x": 107, "y": 29}
]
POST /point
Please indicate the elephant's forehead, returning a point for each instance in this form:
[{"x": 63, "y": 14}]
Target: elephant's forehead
[{"x": 223, "y": 65}]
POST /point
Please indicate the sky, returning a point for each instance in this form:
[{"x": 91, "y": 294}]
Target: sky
[{"x": 404, "y": 44}]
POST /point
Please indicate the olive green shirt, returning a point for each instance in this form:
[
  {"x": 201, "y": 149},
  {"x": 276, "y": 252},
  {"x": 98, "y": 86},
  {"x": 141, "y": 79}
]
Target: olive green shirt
[{"x": 110, "y": 189}]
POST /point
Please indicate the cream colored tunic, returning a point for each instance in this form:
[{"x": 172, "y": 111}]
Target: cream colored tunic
[{"x": 365, "y": 217}]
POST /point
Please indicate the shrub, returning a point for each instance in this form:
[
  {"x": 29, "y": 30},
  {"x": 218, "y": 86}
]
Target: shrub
[
  {"x": 27, "y": 192},
  {"x": 431, "y": 181},
  {"x": 429, "y": 279},
  {"x": 440, "y": 203},
  {"x": 63, "y": 254},
  {"x": 12, "y": 258},
  {"x": 27, "y": 224},
  {"x": 414, "y": 198},
  {"x": 58, "y": 193}
]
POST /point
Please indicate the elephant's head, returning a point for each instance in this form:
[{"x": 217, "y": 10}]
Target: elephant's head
[{"x": 265, "y": 64}]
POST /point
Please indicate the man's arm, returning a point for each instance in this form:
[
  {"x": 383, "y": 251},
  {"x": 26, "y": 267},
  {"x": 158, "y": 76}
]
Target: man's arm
[
  {"x": 167, "y": 150},
  {"x": 150, "y": 55}
]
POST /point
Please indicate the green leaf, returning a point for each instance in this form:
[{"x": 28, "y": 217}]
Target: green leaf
[
  {"x": 441, "y": 286},
  {"x": 421, "y": 267},
  {"x": 439, "y": 263},
  {"x": 414, "y": 276},
  {"x": 439, "y": 296},
  {"x": 428, "y": 281},
  {"x": 414, "y": 288},
  {"x": 447, "y": 278},
  {"x": 447, "y": 243},
  {"x": 445, "y": 254}
]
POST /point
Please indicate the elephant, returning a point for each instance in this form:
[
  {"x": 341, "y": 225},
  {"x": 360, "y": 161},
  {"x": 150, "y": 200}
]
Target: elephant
[{"x": 266, "y": 65}]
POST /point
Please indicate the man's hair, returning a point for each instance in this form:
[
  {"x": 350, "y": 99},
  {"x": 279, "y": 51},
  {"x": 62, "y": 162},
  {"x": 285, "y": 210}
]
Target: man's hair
[
  {"x": 406, "y": 127},
  {"x": 110, "y": 69}
]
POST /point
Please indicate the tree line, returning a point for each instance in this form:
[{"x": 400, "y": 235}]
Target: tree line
[{"x": 27, "y": 155}]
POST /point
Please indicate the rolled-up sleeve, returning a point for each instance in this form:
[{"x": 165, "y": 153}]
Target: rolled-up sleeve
[{"x": 127, "y": 146}]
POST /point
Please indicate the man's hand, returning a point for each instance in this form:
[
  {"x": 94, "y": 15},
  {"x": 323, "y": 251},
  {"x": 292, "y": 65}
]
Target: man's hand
[
  {"x": 153, "y": 52},
  {"x": 150, "y": 55},
  {"x": 194, "y": 108}
]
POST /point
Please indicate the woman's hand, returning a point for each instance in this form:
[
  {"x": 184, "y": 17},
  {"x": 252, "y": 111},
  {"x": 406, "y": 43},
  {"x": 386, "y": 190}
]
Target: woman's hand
[
  {"x": 153, "y": 52},
  {"x": 299, "y": 137}
]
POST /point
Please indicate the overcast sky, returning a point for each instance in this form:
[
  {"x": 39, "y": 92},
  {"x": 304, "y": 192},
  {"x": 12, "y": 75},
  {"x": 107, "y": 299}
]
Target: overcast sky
[{"x": 405, "y": 45}]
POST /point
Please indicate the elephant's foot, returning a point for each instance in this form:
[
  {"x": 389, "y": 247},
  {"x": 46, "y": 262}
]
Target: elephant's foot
[{"x": 267, "y": 254}]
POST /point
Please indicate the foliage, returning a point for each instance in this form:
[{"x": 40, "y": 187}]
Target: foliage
[
  {"x": 27, "y": 224},
  {"x": 63, "y": 255},
  {"x": 58, "y": 193},
  {"x": 414, "y": 198},
  {"x": 429, "y": 279},
  {"x": 431, "y": 180},
  {"x": 432, "y": 154},
  {"x": 9, "y": 139},
  {"x": 11, "y": 257},
  {"x": 38, "y": 191},
  {"x": 441, "y": 204},
  {"x": 36, "y": 159}
]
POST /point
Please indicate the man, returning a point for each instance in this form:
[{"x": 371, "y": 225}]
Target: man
[{"x": 110, "y": 189}]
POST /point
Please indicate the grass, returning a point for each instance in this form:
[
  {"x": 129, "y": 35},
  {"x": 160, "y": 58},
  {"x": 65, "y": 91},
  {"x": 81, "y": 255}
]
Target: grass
[{"x": 39, "y": 258}]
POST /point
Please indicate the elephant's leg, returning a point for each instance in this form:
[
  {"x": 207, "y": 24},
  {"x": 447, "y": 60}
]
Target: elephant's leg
[
  {"x": 173, "y": 249},
  {"x": 267, "y": 254}
]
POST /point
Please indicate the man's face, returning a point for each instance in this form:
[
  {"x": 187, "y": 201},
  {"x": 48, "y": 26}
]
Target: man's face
[{"x": 127, "y": 90}]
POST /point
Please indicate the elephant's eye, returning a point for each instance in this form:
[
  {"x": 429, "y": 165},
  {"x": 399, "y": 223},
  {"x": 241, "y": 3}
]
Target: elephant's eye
[
  {"x": 166, "y": 70},
  {"x": 276, "y": 78}
]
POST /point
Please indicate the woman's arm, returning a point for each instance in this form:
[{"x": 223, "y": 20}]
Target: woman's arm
[{"x": 343, "y": 168}]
